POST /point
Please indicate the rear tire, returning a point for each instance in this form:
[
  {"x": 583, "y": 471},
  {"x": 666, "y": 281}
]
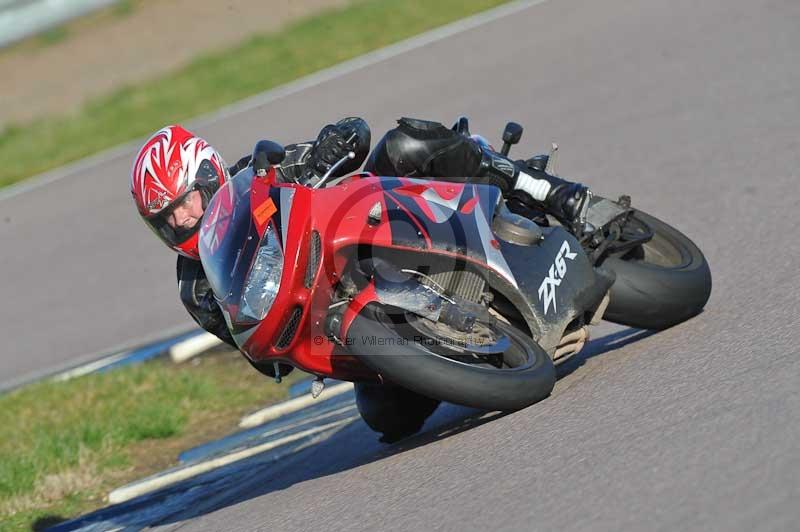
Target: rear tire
[
  {"x": 413, "y": 365},
  {"x": 661, "y": 283}
]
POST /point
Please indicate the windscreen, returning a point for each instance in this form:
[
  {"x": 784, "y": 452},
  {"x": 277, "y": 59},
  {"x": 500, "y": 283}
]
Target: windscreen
[{"x": 228, "y": 238}]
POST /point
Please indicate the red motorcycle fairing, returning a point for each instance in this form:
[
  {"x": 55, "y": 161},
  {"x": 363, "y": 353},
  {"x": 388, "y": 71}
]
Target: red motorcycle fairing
[
  {"x": 448, "y": 217},
  {"x": 364, "y": 211}
]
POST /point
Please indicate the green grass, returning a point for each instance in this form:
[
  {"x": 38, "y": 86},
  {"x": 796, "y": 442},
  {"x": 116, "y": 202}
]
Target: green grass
[
  {"x": 212, "y": 81},
  {"x": 123, "y": 8},
  {"x": 53, "y": 35},
  {"x": 63, "y": 445}
]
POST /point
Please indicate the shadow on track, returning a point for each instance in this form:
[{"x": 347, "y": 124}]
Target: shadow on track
[{"x": 351, "y": 447}]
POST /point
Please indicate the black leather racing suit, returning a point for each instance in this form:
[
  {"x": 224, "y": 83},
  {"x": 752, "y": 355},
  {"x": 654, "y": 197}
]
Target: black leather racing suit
[{"x": 198, "y": 298}]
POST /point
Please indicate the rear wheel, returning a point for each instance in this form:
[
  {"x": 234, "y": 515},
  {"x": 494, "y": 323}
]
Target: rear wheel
[
  {"x": 499, "y": 369},
  {"x": 661, "y": 282}
]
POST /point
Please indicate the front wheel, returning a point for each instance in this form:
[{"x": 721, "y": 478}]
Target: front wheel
[
  {"x": 518, "y": 376},
  {"x": 661, "y": 282}
]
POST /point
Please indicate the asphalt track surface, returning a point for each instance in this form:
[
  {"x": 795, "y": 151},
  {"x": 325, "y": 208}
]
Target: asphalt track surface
[{"x": 692, "y": 108}]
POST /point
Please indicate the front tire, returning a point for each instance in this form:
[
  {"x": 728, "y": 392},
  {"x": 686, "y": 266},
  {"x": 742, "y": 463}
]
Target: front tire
[
  {"x": 410, "y": 363},
  {"x": 661, "y": 283}
]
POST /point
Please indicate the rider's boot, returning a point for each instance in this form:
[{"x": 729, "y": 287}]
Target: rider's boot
[{"x": 565, "y": 200}]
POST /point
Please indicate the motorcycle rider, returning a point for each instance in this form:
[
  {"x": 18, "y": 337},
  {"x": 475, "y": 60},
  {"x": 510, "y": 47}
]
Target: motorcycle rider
[{"x": 176, "y": 173}]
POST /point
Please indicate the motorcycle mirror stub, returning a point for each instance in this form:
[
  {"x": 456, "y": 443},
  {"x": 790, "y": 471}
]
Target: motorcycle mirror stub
[
  {"x": 265, "y": 154},
  {"x": 511, "y": 135},
  {"x": 462, "y": 126}
]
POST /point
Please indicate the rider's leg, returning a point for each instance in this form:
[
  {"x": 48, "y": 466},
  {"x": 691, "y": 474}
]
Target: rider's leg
[
  {"x": 394, "y": 411},
  {"x": 419, "y": 148}
]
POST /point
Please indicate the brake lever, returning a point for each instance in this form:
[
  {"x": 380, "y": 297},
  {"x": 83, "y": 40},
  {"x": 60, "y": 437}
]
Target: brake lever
[
  {"x": 329, "y": 173},
  {"x": 340, "y": 162}
]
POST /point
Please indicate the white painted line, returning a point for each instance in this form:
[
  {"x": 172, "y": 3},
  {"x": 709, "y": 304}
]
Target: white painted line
[
  {"x": 154, "y": 349},
  {"x": 140, "y": 354},
  {"x": 292, "y": 405},
  {"x": 191, "y": 347},
  {"x": 220, "y": 446},
  {"x": 69, "y": 169},
  {"x": 293, "y": 87},
  {"x": 91, "y": 367},
  {"x": 91, "y": 358},
  {"x": 131, "y": 491},
  {"x": 307, "y": 420}
]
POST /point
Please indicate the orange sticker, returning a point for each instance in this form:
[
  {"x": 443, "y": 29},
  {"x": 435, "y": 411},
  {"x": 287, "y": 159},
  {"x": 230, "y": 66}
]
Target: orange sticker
[{"x": 265, "y": 211}]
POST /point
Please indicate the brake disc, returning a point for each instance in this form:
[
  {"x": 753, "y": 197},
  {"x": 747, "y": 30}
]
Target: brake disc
[{"x": 482, "y": 340}]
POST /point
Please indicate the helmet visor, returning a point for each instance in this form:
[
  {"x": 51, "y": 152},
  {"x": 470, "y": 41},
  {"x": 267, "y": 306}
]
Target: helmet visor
[{"x": 172, "y": 236}]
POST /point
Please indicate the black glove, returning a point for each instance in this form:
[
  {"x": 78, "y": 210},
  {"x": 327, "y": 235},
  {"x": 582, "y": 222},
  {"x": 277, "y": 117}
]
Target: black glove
[
  {"x": 333, "y": 143},
  {"x": 331, "y": 146}
]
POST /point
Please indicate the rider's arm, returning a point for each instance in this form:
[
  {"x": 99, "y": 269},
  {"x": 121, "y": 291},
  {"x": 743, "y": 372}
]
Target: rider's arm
[
  {"x": 307, "y": 162},
  {"x": 198, "y": 298}
]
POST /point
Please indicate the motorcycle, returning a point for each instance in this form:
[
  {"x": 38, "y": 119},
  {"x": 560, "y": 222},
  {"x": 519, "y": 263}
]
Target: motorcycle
[{"x": 437, "y": 291}]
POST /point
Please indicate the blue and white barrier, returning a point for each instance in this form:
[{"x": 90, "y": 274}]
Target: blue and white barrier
[{"x": 23, "y": 18}]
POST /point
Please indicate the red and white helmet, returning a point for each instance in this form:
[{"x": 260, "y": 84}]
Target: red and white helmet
[{"x": 172, "y": 163}]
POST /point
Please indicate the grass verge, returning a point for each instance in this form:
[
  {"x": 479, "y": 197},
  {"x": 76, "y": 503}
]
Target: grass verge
[
  {"x": 65, "y": 445},
  {"x": 212, "y": 81}
]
